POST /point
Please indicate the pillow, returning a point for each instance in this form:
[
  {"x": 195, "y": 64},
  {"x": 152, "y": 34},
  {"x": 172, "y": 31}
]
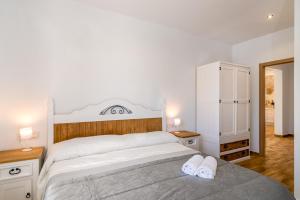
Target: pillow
[
  {"x": 79, "y": 147},
  {"x": 105, "y": 143}
]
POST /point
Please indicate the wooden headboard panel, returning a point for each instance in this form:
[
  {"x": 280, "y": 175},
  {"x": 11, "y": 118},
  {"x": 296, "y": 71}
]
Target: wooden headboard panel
[
  {"x": 114, "y": 127},
  {"x": 109, "y": 117}
]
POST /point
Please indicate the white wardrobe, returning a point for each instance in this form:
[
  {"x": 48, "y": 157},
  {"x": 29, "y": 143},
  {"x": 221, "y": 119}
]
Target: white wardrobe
[{"x": 223, "y": 110}]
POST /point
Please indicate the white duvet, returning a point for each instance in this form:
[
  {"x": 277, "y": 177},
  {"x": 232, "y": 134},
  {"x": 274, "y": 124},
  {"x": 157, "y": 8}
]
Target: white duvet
[{"x": 105, "y": 151}]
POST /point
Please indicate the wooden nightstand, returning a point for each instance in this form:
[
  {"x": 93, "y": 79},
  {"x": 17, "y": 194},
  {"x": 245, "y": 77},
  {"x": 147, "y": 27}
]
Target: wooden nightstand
[
  {"x": 188, "y": 138},
  {"x": 19, "y": 173}
]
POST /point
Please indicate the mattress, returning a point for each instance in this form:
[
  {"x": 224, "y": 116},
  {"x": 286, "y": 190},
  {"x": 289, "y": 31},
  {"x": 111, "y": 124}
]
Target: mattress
[{"x": 151, "y": 172}]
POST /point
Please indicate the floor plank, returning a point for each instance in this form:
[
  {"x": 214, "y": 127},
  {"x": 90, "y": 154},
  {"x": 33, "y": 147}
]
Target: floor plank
[{"x": 278, "y": 163}]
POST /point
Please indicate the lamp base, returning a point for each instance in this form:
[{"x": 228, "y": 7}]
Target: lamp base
[{"x": 27, "y": 149}]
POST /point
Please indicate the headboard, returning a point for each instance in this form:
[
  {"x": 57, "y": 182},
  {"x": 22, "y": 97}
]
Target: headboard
[{"x": 113, "y": 116}]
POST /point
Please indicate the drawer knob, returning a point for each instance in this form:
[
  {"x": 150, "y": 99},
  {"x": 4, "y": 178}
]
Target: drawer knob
[
  {"x": 225, "y": 146},
  {"x": 15, "y": 171},
  {"x": 28, "y": 195}
]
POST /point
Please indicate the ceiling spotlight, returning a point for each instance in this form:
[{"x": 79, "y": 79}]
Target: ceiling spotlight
[{"x": 270, "y": 16}]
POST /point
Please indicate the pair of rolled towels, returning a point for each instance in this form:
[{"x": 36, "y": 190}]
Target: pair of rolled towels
[{"x": 201, "y": 167}]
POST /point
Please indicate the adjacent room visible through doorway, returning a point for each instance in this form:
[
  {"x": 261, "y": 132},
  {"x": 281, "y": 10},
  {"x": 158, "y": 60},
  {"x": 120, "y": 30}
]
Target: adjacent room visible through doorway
[
  {"x": 279, "y": 100},
  {"x": 276, "y": 158}
]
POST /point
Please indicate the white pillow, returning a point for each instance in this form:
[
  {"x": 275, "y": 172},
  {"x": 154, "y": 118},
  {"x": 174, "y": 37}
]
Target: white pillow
[
  {"x": 105, "y": 143},
  {"x": 78, "y": 147}
]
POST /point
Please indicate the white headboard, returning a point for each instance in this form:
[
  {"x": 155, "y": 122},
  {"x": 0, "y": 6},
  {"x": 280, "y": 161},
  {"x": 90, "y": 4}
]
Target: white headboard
[{"x": 113, "y": 109}]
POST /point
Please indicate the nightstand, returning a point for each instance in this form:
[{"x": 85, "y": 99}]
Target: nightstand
[
  {"x": 188, "y": 138},
  {"x": 19, "y": 172}
]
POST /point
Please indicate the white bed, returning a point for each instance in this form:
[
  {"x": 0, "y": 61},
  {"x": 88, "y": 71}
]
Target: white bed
[
  {"x": 120, "y": 151},
  {"x": 135, "y": 166},
  {"x": 106, "y": 152}
]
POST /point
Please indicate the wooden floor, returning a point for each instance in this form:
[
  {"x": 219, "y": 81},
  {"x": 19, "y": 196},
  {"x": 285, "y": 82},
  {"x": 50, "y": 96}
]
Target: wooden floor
[{"x": 278, "y": 163}]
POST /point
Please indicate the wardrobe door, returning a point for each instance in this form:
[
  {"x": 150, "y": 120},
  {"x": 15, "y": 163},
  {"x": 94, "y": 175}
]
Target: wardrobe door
[
  {"x": 227, "y": 99},
  {"x": 242, "y": 100}
]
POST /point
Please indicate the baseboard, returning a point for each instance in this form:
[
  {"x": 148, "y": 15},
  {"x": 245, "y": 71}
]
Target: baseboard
[
  {"x": 283, "y": 136},
  {"x": 254, "y": 153},
  {"x": 269, "y": 123},
  {"x": 240, "y": 159}
]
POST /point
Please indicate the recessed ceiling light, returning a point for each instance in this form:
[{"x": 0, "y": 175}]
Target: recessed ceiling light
[{"x": 270, "y": 16}]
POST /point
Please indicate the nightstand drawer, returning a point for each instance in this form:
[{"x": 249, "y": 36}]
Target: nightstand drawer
[
  {"x": 192, "y": 142},
  {"x": 15, "y": 171}
]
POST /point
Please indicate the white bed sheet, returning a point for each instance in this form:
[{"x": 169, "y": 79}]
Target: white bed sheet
[{"x": 108, "y": 159}]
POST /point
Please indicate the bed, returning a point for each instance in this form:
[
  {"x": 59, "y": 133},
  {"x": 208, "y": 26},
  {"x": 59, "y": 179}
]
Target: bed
[{"x": 119, "y": 150}]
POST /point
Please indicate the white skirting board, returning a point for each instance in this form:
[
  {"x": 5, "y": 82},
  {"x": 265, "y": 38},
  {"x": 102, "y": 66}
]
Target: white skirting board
[
  {"x": 240, "y": 159},
  {"x": 234, "y": 150}
]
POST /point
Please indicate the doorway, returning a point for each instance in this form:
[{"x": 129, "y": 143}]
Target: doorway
[
  {"x": 262, "y": 99},
  {"x": 276, "y": 104}
]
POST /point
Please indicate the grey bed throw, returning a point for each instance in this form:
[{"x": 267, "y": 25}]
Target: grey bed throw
[{"x": 163, "y": 180}]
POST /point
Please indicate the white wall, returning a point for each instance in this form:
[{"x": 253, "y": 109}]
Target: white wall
[
  {"x": 290, "y": 97},
  {"x": 297, "y": 99},
  {"x": 278, "y": 99},
  {"x": 274, "y": 46},
  {"x": 284, "y": 97},
  {"x": 81, "y": 55}
]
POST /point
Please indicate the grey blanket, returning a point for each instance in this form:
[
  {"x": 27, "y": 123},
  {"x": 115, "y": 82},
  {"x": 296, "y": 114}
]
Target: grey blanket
[{"x": 163, "y": 179}]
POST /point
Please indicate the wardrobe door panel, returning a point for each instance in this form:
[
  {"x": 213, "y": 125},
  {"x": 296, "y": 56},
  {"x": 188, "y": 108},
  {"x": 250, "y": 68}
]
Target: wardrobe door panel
[
  {"x": 242, "y": 118},
  {"x": 227, "y": 83},
  {"x": 242, "y": 84},
  {"x": 227, "y": 119}
]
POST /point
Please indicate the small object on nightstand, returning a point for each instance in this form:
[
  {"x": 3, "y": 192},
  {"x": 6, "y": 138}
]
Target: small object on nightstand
[
  {"x": 19, "y": 173},
  {"x": 26, "y": 134},
  {"x": 177, "y": 122},
  {"x": 188, "y": 138}
]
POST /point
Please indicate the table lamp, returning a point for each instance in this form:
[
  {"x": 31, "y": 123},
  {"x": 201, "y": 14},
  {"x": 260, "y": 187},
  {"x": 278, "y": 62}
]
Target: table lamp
[
  {"x": 26, "y": 134},
  {"x": 177, "y": 122}
]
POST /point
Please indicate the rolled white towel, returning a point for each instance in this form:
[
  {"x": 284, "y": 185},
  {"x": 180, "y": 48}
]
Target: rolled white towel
[
  {"x": 208, "y": 168},
  {"x": 190, "y": 166}
]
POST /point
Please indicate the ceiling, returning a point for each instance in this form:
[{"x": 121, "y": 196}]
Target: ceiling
[{"x": 230, "y": 21}]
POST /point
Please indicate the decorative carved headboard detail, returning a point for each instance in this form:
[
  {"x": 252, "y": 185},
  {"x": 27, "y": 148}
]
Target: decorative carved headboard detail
[
  {"x": 116, "y": 109},
  {"x": 109, "y": 117}
]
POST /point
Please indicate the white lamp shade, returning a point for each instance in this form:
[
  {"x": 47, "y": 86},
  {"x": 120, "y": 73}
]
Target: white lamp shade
[
  {"x": 26, "y": 133},
  {"x": 177, "y": 122}
]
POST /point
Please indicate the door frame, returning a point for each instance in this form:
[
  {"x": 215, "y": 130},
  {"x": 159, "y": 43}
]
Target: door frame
[{"x": 262, "y": 97}]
